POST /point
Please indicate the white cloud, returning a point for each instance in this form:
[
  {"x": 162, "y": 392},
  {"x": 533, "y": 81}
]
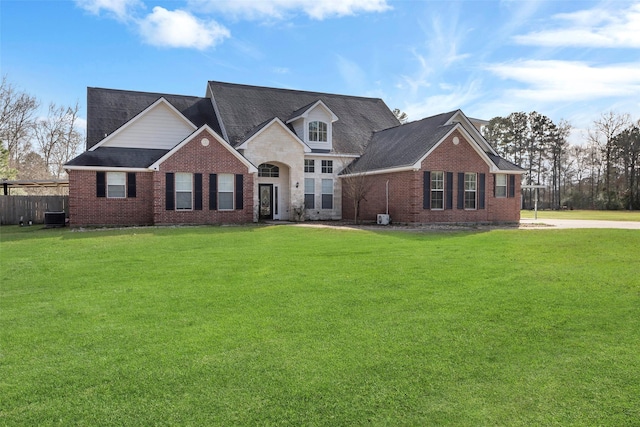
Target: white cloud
[
  {"x": 568, "y": 81},
  {"x": 180, "y": 29},
  {"x": 456, "y": 97},
  {"x": 120, "y": 9},
  {"x": 280, "y": 9},
  {"x": 591, "y": 28}
]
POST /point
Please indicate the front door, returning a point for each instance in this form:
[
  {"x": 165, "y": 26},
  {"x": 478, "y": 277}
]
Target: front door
[{"x": 266, "y": 201}]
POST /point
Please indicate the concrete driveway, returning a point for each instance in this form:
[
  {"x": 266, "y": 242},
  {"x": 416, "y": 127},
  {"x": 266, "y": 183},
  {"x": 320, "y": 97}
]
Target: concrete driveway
[{"x": 578, "y": 223}]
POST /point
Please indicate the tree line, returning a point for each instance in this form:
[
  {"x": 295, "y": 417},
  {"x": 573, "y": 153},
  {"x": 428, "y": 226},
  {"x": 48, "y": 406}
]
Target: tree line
[
  {"x": 33, "y": 147},
  {"x": 602, "y": 173}
]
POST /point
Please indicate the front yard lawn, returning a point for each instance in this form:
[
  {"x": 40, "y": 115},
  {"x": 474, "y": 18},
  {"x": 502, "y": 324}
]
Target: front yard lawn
[{"x": 286, "y": 325}]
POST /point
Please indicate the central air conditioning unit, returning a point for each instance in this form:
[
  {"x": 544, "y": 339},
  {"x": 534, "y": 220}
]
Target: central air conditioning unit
[{"x": 383, "y": 219}]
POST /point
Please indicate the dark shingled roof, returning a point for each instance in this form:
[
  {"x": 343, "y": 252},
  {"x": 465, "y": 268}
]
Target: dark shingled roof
[
  {"x": 243, "y": 108},
  {"x": 403, "y": 145},
  {"x": 109, "y": 109},
  {"x": 504, "y": 164},
  {"x": 118, "y": 157}
]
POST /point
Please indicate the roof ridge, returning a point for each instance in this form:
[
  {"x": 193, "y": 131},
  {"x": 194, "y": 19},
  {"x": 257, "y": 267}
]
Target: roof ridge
[
  {"x": 268, "y": 88},
  {"x": 159, "y": 94}
]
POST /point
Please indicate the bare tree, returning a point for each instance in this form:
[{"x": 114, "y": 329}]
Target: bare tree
[
  {"x": 57, "y": 136},
  {"x": 603, "y": 133},
  {"x": 17, "y": 110}
]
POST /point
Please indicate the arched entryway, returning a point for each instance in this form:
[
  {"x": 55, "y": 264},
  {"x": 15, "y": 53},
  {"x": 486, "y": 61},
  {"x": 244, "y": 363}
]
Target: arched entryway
[{"x": 273, "y": 191}]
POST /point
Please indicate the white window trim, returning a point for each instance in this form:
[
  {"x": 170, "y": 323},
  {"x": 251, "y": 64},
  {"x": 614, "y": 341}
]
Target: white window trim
[
  {"x": 474, "y": 191},
  {"x": 441, "y": 190},
  {"x": 322, "y": 194},
  {"x": 233, "y": 192},
  {"x": 176, "y": 191},
  {"x": 329, "y": 164},
  {"x": 124, "y": 184},
  {"x": 505, "y": 186}
]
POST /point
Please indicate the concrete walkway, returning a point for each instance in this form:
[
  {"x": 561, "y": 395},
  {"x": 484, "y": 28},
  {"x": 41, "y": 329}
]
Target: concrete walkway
[{"x": 578, "y": 223}]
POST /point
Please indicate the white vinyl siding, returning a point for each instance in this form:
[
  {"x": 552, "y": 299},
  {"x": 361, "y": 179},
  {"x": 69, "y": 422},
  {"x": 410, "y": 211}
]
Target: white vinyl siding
[{"x": 158, "y": 128}]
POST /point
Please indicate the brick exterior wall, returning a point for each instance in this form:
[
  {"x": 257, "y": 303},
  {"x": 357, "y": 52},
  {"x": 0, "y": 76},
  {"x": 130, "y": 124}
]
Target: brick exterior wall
[
  {"x": 149, "y": 205},
  {"x": 85, "y": 209},
  {"x": 195, "y": 158},
  {"x": 406, "y": 191}
]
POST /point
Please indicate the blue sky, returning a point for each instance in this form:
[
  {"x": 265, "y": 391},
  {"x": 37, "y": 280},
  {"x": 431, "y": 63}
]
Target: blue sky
[{"x": 569, "y": 60}]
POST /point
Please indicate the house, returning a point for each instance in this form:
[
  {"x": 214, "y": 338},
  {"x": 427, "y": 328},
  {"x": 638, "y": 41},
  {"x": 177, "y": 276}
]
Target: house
[{"x": 246, "y": 153}]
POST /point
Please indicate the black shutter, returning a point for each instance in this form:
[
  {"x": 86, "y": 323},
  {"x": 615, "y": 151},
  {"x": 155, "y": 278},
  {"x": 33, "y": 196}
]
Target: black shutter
[
  {"x": 101, "y": 184},
  {"x": 449, "y": 187},
  {"x": 131, "y": 184},
  {"x": 197, "y": 181},
  {"x": 460, "y": 190},
  {"x": 213, "y": 191},
  {"x": 512, "y": 186},
  {"x": 481, "y": 188},
  {"x": 426, "y": 190},
  {"x": 239, "y": 191},
  {"x": 169, "y": 193}
]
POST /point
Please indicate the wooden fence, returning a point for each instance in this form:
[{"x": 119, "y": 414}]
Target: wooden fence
[{"x": 14, "y": 209}]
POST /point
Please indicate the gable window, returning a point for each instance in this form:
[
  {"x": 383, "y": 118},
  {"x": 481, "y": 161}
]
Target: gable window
[
  {"x": 309, "y": 165},
  {"x": 318, "y": 131},
  {"x": 327, "y": 166},
  {"x": 225, "y": 191},
  {"x": 327, "y": 194},
  {"x": 501, "y": 185},
  {"x": 184, "y": 191},
  {"x": 267, "y": 170},
  {"x": 116, "y": 184},
  {"x": 309, "y": 193},
  {"x": 437, "y": 190},
  {"x": 470, "y": 189}
]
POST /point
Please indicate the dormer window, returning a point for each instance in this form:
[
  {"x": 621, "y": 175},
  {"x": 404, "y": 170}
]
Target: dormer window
[{"x": 317, "y": 131}]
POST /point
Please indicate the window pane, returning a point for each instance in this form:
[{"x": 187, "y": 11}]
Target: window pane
[
  {"x": 309, "y": 201},
  {"x": 225, "y": 182},
  {"x": 327, "y": 201},
  {"x": 183, "y": 200},
  {"x": 115, "y": 191},
  {"x": 268, "y": 170},
  {"x": 322, "y": 132},
  {"x": 309, "y": 185},
  {"x": 470, "y": 181},
  {"x": 225, "y": 201},
  {"x": 309, "y": 165},
  {"x": 437, "y": 199},
  {"x": 437, "y": 180},
  {"x": 327, "y": 186},
  {"x": 183, "y": 182},
  {"x": 327, "y": 166}
]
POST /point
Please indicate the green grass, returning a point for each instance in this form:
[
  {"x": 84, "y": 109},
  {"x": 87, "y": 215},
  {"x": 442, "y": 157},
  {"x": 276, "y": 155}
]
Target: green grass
[
  {"x": 584, "y": 214},
  {"x": 300, "y": 326}
]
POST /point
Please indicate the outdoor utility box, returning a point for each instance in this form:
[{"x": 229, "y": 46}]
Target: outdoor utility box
[
  {"x": 54, "y": 219},
  {"x": 383, "y": 219}
]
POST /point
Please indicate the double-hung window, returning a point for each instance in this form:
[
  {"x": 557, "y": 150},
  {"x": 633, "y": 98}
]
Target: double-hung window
[
  {"x": 501, "y": 185},
  {"x": 470, "y": 189},
  {"x": 184, "y": 191},
  {"x": 309, "y": 193},
  {"x": 318, "y": 131},
  {"x": 327, "y": 166},
  {"x": 225, "y": 191},
  {"x": 437, "y": 190},
  {"x": 116, "y": 184},
  {"x": 327, "y": 194}
]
